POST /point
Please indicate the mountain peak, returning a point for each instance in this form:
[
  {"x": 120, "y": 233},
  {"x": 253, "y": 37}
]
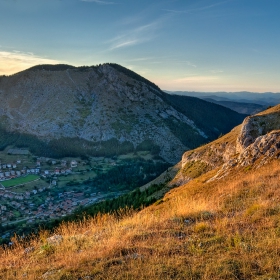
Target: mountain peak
[{"x": 97, "y": 104}]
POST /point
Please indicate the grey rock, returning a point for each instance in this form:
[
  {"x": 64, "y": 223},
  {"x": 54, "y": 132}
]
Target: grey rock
[{"x": 55, "y": 240}]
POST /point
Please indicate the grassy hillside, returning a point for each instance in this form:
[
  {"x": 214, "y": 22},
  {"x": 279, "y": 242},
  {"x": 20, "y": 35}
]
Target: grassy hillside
[{"x": 224, "y": 229}]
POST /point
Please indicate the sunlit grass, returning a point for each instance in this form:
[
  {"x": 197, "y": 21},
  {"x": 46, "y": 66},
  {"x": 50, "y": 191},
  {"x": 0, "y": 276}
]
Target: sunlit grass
[{"x": 225, "y": 229}]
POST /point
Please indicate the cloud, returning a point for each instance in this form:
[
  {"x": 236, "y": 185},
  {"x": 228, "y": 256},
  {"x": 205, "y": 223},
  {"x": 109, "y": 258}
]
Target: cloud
[
  {"x": 216, "y": 71},
  {"x": 141, "y": 59},
  {"x": 135, "y": 36},
  {"x": 201, "y": 79},
  {"x": 99, "y": 2},
  {"x": 125, "y": 44},
  {"x": 197, "y": 9},
  {"x": 191, "y": 64},
  {"x": 15, "y": 61}
]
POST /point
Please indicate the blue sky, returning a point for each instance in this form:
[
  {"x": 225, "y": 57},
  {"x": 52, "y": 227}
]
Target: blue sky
[{"x": 200, "y": 45}]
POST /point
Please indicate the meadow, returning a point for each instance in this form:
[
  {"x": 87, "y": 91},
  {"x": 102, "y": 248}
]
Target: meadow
[
  {"x": 224, "y": 229},
  {"x": 19, "y": 181}
]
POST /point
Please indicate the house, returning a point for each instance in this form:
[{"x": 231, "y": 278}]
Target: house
[
  {"x": 18, "y": 161},
  {"x": 14, "y": 165},
  {"x": 7, "y": 174},
  {"x": 57, "y": 172},
  {"x": 74, "y": 163},
  {"x": 63, "y": 163},
  {"x": 9, "y": 165},
  {"x": 18, "y": 173}
]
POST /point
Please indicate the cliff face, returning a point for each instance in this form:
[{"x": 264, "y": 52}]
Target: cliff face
[
  {"x": 258, "y": 125},
  {"x": 249, "y": 145},
  {"x": 97, "y": 104}
]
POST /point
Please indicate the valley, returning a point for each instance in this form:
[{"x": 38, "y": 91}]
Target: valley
[{"x": 39, "y": 189}]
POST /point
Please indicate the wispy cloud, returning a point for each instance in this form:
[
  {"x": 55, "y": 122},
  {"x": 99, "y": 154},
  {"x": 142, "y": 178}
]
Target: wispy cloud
[
  {"x": 122, "y": 44},
  {"x": 200, "y": 79},
  {"x": 190, "y": 64},
  {"x": 196, "y": 9},
  {"x": 135, "y": 36},
  {"x": 15, "y": 61},
  {"x": 217, "y": 71},
  {"x": 141, "y": 59},
  {"x": 101, "y": 2}
]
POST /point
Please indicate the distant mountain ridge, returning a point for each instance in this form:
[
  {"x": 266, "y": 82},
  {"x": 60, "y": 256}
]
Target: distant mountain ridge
[
  {"x": 61, "y": 110},
  {"x": 242, "y": 108},
  {"x": 266, "y": 98}
]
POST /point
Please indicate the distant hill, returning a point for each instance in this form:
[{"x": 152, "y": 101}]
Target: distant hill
[
  {"x": 242, "y": 108},
  {"x": 62, "y": 110},
  {"x": 266, "y": 98}
]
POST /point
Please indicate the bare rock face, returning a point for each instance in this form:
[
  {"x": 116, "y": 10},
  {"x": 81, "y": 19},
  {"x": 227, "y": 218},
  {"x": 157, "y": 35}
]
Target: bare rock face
[
  {"x": 252, "y": 144},
  {"x": 257, "y": 125},
  {"x": 261, "y": 151},
  {"x": 265, "y": 147}
]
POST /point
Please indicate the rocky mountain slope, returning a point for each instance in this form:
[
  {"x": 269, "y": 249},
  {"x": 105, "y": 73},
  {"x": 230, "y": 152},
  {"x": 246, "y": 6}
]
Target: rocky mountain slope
[
  {"x": 249, "y": 145},
  {"x": 105, "y": 109}
]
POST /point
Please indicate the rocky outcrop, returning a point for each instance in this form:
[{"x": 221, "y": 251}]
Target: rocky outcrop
[
  {"x": 264, "y": 149},
  {"x": 251, "y": 145},
  {"x": 257, "y": 125}
]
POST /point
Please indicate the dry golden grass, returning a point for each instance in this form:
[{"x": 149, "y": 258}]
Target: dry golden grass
[{"x": 225, "y": 229}]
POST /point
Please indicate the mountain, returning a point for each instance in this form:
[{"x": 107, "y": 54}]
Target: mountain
[
  {"x": 266, "y": 98},
  {"x": 242, "y": 108},
  {"x": 221, "y": 222},
  {"x": 62, "y": 110}
]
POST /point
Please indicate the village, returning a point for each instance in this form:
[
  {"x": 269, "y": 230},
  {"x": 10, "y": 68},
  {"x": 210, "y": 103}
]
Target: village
[
  {"x": 21, "y": 204},
  {"x": 39, "y": 189},
  {"x": 35, "y": 190},
  {"x": 11, "y": 170}
]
